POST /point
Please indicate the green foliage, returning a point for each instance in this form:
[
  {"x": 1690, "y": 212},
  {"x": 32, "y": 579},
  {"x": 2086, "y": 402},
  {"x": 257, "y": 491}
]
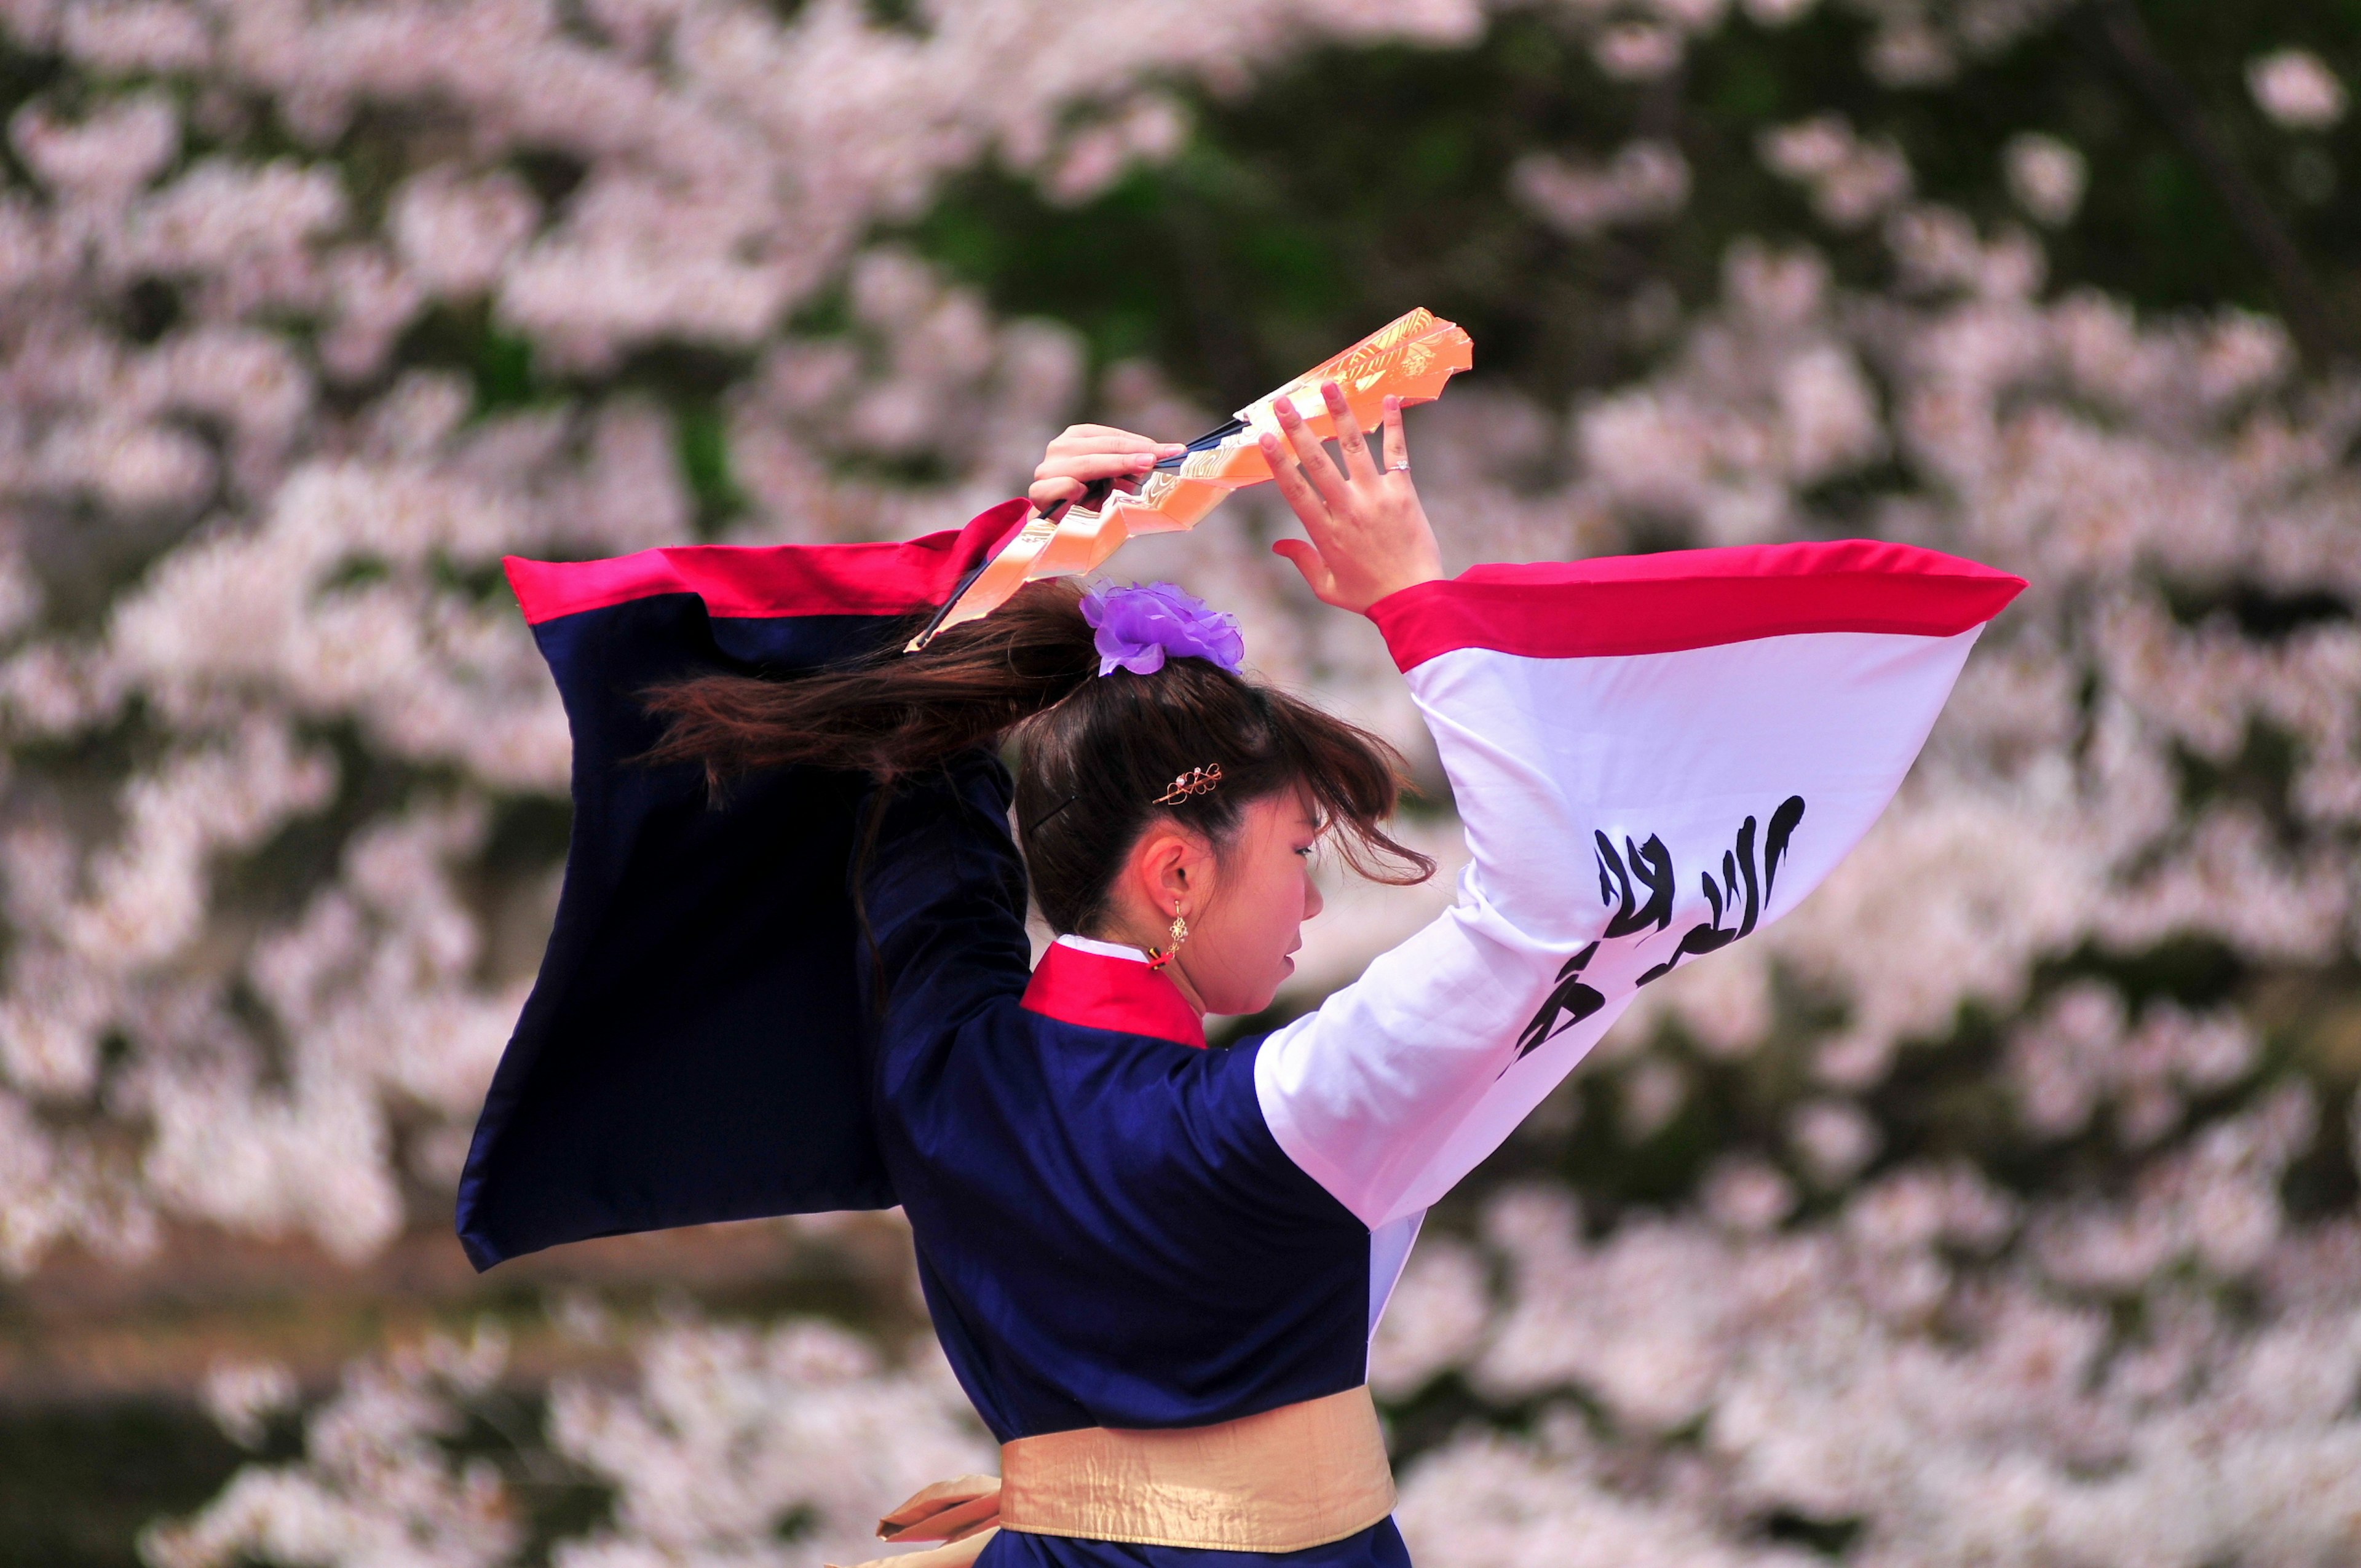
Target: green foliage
[{"x": 78, "y": 1484}]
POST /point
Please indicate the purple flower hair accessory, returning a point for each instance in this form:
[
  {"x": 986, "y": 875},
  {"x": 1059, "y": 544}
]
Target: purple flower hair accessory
[{"x": 1137, "y": 627}]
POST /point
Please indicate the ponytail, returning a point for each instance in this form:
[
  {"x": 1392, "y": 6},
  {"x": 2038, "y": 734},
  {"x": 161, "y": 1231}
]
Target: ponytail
[
  {"x": 1095, "y": 752},
  {"x": 889, "y": 714}
]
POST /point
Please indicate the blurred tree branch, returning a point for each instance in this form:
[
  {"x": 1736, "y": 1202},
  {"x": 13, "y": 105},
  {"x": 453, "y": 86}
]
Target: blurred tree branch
[{"x": 2115, "y": 30}]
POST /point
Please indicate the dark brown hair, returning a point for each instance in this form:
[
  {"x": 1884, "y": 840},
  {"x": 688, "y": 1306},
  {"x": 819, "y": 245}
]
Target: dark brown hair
[{"x": 1093, "y": 753}]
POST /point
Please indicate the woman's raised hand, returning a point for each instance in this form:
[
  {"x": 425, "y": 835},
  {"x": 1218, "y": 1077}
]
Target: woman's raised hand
[
  {"x": 1086, "y": 453},
  {"x": 1370, "y": 534}
]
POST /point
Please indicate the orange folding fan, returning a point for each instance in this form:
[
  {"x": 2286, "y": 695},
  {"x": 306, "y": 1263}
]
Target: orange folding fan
[{"x": 1410, "y": 358}]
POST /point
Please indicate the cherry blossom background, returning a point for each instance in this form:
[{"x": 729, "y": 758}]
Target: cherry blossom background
[{"x": 1998, "y": 1208}]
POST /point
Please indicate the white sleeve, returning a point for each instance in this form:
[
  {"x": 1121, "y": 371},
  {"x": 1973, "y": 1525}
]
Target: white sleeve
[{"x": 1626, "y": 807}]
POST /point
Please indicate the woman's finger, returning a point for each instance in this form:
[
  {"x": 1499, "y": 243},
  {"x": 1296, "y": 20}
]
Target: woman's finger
[
  {"x": 1095, "y": 466},
  {"x": 1109, "y": 433},
  {"x": 1355, "y": 445},
  {"x": 1116, "y": 441},
  {"x": 1046, "y": 493},
  {"x": 1312, "y": 564},
  {"x": 1111, "y": 445},
  {"x": 1295, "y": 490},
  {"x": 1397, "y": 439},
  {"x": 1318, "y": 467}
]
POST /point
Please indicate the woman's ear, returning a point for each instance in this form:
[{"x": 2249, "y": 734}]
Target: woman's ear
[{"x": 1173, "y": 864}]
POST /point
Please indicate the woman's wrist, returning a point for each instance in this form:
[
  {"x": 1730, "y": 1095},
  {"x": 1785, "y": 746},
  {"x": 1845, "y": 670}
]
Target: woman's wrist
[{"x": 1397, "y": 585}]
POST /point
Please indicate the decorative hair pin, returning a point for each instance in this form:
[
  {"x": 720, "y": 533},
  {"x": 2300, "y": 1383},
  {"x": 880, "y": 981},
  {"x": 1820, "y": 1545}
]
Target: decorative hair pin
[{"x": 1196, "y": 781}]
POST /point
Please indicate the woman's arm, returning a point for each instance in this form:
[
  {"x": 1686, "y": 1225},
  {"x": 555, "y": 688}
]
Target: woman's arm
[
  {"x": 939, "y": 896},
  {"x": 1651, "y": 758},
  {"x": 938, "y": 883},
  {"x": 1364, "y": 1092}
]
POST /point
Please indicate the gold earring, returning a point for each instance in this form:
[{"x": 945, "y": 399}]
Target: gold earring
[{"x": 1159, "y": 957}]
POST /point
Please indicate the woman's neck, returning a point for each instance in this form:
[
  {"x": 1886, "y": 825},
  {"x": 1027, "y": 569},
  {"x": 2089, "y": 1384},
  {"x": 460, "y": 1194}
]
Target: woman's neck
[{"x": 1172, "y": 970}]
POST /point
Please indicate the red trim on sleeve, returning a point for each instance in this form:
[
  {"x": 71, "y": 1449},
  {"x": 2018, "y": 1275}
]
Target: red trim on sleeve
[
  {"x": 771, "y": 579},
  {"x": 1692, "y": 598},
  {"x": 1121, "y": 994}
]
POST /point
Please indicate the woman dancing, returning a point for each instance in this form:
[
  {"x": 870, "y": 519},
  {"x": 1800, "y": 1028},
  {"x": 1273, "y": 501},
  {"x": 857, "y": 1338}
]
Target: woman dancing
[{"x": 1155, "y": 1267}]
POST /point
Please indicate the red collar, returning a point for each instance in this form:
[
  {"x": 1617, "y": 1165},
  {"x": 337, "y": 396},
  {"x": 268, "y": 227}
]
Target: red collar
[{"x": 1122, "y": 994}]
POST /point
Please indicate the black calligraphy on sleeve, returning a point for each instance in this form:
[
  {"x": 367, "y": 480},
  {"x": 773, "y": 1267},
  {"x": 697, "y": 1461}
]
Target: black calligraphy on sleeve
[
  {"x": 1639, "y": 883},
  {"x": 1652, "y": 867},
  {"x": 1740, "y": 871},
  {"x": 1572, "y": 1001}
]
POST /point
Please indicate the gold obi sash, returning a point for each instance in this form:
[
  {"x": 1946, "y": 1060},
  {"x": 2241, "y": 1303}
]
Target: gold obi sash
[{"x": 1298, "y": 1477}]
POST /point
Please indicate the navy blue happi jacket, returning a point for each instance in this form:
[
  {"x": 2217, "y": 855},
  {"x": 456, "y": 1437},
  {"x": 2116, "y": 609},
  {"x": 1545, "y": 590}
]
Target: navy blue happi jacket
[{"x": 1651, "y": 758}]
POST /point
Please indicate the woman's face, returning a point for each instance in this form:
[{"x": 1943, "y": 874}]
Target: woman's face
[{"x": 1244, "y": 933}]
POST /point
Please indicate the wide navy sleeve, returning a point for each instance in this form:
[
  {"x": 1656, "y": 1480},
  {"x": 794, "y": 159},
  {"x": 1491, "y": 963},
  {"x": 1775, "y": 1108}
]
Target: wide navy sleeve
[{"x": 692, "y": 1050}]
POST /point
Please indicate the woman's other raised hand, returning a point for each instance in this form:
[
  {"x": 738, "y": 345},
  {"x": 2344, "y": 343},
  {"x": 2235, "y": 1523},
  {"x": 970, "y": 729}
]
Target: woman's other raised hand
[
  {"x": 1085, "y": 454},
  {"x": 1370, "y": 534}
]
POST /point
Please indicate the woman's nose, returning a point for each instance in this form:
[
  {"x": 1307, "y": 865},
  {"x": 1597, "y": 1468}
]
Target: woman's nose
[{"x": 1313, "y": 902}]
